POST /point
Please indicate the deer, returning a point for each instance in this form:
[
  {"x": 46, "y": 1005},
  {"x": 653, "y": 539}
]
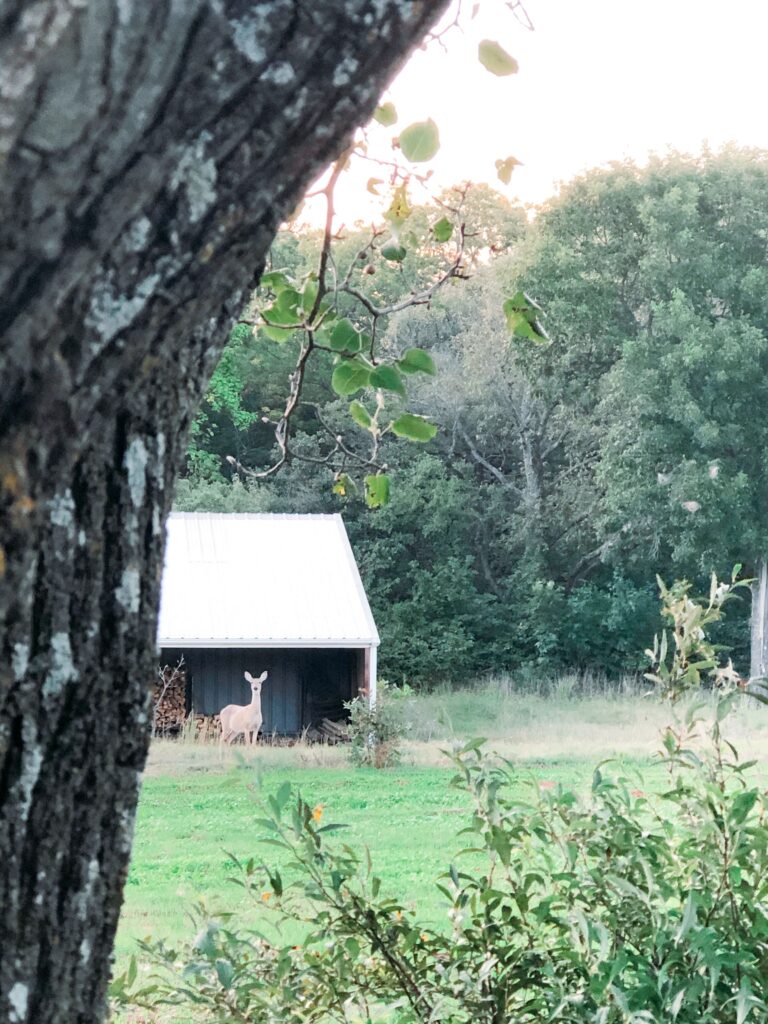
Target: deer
[{"x": 243, "y": 719}]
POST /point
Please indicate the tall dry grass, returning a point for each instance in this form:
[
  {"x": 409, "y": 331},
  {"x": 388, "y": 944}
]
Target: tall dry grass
[{"x": 569, "y": 716}]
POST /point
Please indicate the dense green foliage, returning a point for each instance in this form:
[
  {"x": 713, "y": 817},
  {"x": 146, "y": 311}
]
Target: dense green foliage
[
  {"x": 527, "y": 534},
  {"x": 630, "y": 906},
  {"x": 377, "y": 728}
]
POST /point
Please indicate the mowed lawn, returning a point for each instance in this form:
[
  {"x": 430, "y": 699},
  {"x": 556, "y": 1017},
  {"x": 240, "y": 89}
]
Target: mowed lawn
[
  {"x": 194, "y": 808},
  {"x": 187, "y": 824}
]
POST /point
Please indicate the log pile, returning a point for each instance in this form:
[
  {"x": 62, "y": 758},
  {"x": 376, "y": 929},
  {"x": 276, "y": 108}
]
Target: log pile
[
  {"x": 206, "y": 727},
  {"x": 328, "y": 732},
  {"x": 169, "y": 700}
]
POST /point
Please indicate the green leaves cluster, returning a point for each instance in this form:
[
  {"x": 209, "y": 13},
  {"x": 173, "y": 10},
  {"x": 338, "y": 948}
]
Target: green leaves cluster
[
  {"x": 682, "y": 664},
  {"x": 521, "y": 313},
  {"x": 376, "y": 730},
  {"x": 294, "y": 305},
  {"x": 629, "y": 905}
]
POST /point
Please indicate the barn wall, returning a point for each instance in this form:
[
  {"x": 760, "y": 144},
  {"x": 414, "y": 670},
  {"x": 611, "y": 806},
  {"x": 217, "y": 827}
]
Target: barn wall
[{"x": 303, "y": 686}]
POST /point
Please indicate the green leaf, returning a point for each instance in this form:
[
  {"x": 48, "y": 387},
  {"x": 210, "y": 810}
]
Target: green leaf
[
  {"x": 386, "y": 114},
  {"x": 278, "y": 334},
  {"x": 689, "y": 916},
  {"x": 343, "y": 485},
  {"x": 742, "y": 805},
  {"x": 394, "y": 253},
  {"x": 360, "y": 415},
  {"x": 225, "y": 973},
  {"x": 521, "y": 313},
  {"x": 442, "y": 230},
  {"x": 415, "y": 428},
  {"x": 344, "y": 337},
  {"x": 350, "y": 376},
  {"x": 420, "y": 141},
  {"x": 388, "y": 378},
  {"x": 504, "y": 168},
  {"x": 287, "y": 303},
  {"x": 399, "y": 209},
  {"x": 283, "y": 795},
  {"x": 205, "y": 941},
  {"x": 377, "y": 490},
  {"x": 275, "y": 280},
  {"x": 416, "y": 360},
  {"x": 495, "y": 58}
]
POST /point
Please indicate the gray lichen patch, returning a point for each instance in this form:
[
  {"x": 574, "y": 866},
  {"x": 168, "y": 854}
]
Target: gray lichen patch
[
  {"x": 62, "y": 670},
  {"x": 280, "y": 73},
  {"x": 128, "y": 594},
  {"x": 18, "y": 998},
  {"x": 138, "y": 234},
  {"x": 196, "y": 174},
  {"x": 84, "y": 895},
  {"x": 31, "y": 763},
  {"x": 247, "y": 38},
  {"x": 135, "y": 462},
  {"x": 343, "y": 74},
  {"x": 62, "y": 508},
  {"x": 110, "y": 312},
  {"x": 20, "y": 660}
]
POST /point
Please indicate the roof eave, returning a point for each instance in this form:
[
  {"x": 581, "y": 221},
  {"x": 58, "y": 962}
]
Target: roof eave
[{"x": 239, "y": 642}]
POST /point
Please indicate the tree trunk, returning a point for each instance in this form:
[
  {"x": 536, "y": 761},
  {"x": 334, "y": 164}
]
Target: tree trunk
[
  {"x": 148, "y": 151},
  {"x": 758, "y": 667}
]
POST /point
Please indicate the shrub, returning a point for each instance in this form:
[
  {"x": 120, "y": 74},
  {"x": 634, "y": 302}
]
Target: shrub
[
  {"x": 376, "y": 730},
  {"x": 628, "y": 906},
  {"x": 623, "y": 907}
]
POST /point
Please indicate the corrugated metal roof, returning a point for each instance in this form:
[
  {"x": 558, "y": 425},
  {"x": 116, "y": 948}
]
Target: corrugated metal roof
[{"x": 234, "y": 580}]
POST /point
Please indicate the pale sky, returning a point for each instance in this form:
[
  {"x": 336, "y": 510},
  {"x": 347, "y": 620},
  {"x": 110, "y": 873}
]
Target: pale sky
[{"x": 599, "y": 80}]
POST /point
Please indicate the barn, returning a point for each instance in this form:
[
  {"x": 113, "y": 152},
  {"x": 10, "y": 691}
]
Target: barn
[{"x": 275, "y": 592}]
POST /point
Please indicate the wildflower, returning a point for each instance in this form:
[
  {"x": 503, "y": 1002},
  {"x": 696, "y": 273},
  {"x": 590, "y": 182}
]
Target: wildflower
[
  {"x": 424, "y": 937},
  {"x": 398, "y": 915},
  {"x": 637, "y": 792},
  {"x": 266, "y": 896},
  {"x": 547, "y": 784},
  {"x": 317, "y": 813}
]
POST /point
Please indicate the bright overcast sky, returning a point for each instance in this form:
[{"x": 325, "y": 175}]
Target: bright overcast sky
[{"x": 599, "y": 80}]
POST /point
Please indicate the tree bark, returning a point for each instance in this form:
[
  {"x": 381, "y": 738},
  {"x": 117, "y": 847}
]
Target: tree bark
[{"x": 148, "y": 151}]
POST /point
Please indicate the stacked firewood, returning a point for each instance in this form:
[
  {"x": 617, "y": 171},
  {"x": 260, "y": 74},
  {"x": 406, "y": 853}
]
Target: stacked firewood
[
  {"x": 169, "y": 700},
  {"x": 206, "y": 727},
  {"x": 328, "y": 732}
]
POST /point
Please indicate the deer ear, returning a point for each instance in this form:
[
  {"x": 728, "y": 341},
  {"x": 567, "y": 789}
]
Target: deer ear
[
  {"x": 249, "y": 678},
  {"x": 263, "y": 676}
]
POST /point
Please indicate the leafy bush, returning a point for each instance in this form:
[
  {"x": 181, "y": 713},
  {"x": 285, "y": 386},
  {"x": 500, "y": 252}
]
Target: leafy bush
[
  {"x": 376, "y": 730},
  {"x": 629, "y": 906},
  {"x": 625, "y": 907}
]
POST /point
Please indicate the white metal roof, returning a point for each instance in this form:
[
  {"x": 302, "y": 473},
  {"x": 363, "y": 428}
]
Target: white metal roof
[{"x": 234, "y": 580}]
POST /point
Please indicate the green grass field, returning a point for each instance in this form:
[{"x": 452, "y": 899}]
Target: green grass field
[
  {"x": 408, "y": 818},
  {"x": 196, "y": 807}
]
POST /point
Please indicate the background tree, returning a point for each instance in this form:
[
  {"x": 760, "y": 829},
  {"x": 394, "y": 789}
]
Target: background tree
[
  {"x": 148, "y": 153},
  {"x": 630, "y": 445}
]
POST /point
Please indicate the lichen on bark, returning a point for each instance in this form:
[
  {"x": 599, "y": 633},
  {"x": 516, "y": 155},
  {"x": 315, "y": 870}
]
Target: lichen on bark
[{"x": 148, "y": 152}]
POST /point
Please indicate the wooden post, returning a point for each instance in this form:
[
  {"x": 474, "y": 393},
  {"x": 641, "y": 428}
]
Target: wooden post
[
  {"x": 370, "y": 673},
  {"x": 759, "y": 652}
]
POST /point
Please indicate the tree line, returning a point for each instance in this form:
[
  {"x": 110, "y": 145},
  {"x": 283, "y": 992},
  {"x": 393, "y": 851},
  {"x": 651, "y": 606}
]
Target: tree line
[{"x": 625, "y": 440}]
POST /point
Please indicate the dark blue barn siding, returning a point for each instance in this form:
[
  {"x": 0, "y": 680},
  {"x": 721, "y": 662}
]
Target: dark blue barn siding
[{"x": 303, "y": 686}]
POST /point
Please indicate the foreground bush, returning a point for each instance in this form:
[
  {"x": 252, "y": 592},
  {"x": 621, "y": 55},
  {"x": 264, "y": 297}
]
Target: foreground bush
[
  {"x": 628, "y": 906},
  {"x": 377, "y": 729}
]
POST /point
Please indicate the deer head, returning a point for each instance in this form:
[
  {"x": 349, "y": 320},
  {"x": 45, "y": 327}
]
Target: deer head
[{"x": 255, "y": 684}]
